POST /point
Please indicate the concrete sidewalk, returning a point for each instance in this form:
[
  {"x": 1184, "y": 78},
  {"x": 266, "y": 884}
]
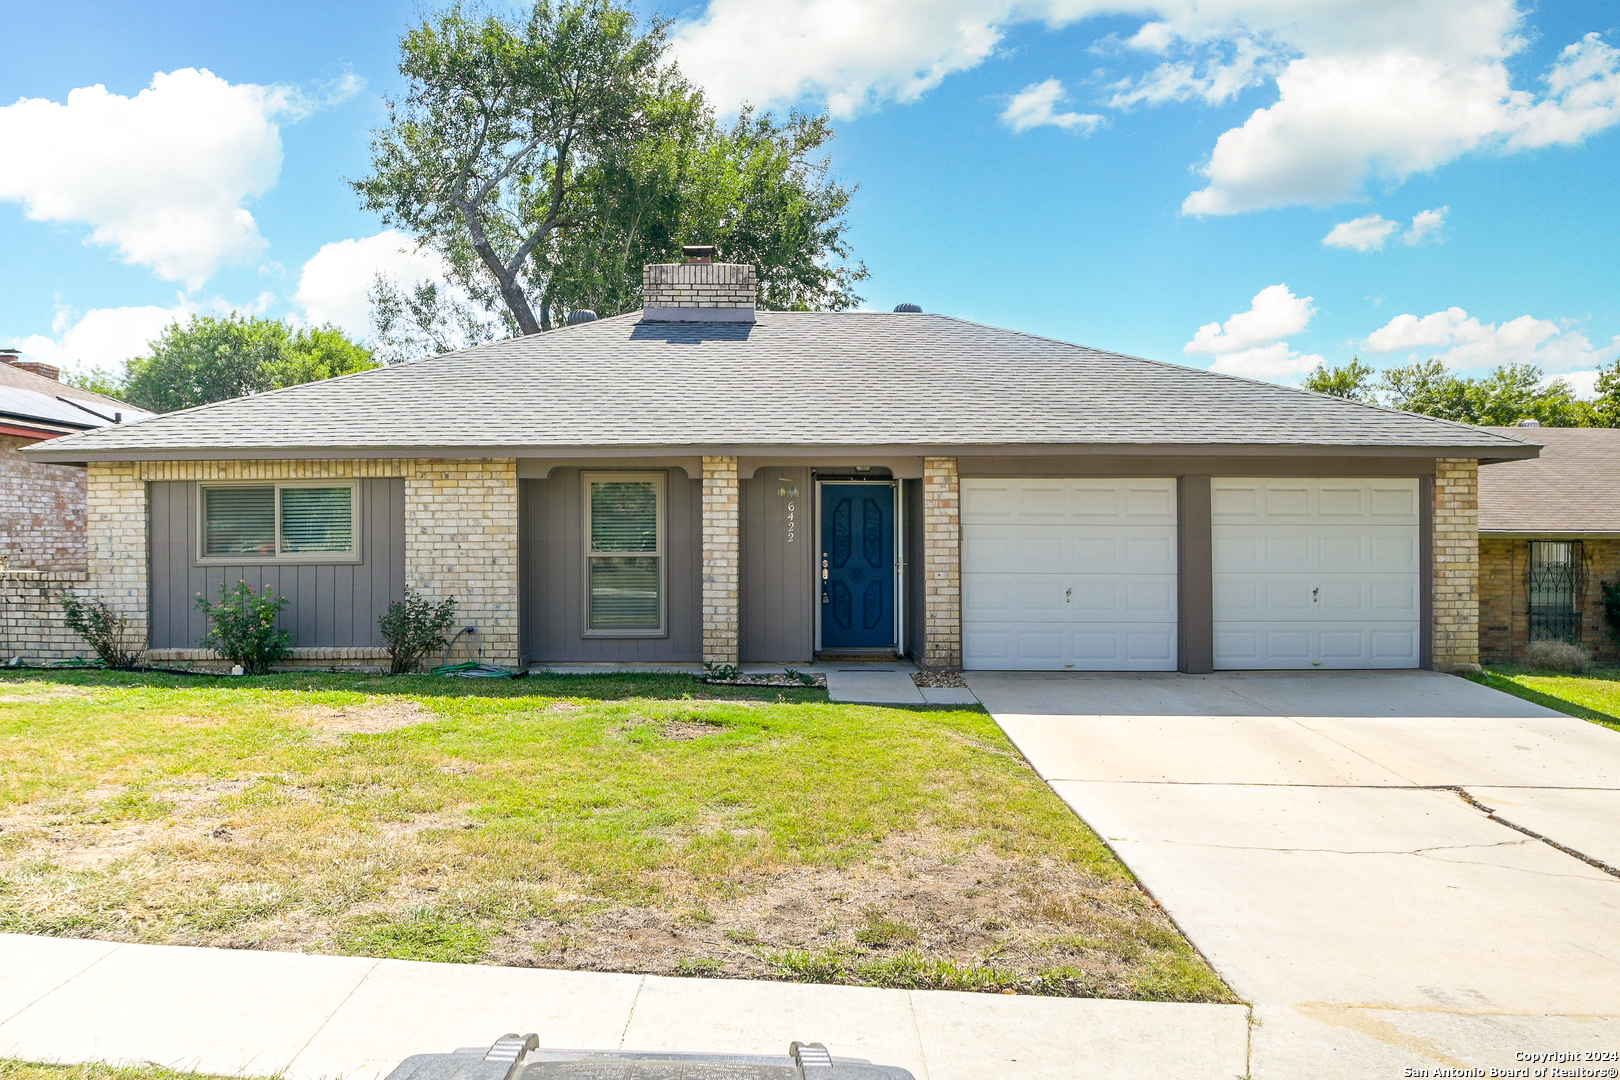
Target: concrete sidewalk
[{"x": 308, "y": 1017}]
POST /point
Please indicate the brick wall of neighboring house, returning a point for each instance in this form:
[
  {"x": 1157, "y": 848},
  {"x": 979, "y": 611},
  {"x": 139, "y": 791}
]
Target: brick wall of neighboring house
[
  {"x": 1504, "y": 598},
  {"x": 32, "y": 629},
  {"x": 41, "y": 512}
]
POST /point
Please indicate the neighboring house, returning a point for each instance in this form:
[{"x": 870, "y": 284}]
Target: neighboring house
[
  {"x": 42, "y": 507},
  {"x": 701, "y": 481},
  {"x": 1549, "y": 534}
]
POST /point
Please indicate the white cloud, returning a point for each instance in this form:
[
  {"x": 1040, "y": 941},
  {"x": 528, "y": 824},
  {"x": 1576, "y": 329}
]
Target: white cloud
[
  {"x": 163, "y": 176},
  {"x": 848, "y": 53},
  {"x": 1274, "y": 363},
  {"x": 101, "y": 338},
  {"x": 1221, "y": 80},
  {"x": 1406, "y": 106},
  {"x": 1426, "y": 224},
  {"x": 1363, "y": 234},
  {"x": 1369, "y": 233},
  {"x": 1463, "y": 342},
  {"x": 334, "y": 282},
  {"x": 1370, "y": 90},
  {"x": 1274, "y": 313},
  {"x": 1036, "y": 106}
]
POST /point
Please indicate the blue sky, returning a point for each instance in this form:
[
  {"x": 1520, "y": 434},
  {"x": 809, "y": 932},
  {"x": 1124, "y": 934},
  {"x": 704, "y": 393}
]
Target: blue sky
[{"x": 1159, "y": 177}]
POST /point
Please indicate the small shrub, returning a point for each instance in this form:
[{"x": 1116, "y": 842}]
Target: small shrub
[
  {"x": 414, "y": 629},
  {"x": 242, "y": 627},
  {"x": 1563, "y": 656},
  {"x": 722, "y": 672},
  {"x": 105, "y": 628}
]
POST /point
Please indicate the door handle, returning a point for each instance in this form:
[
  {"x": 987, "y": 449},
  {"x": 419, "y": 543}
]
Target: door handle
[
  {"x": 1314, "y": 592},
  {"x": 1068, "y": 594}
]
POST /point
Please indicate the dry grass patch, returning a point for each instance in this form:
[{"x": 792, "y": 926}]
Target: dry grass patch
[{"x": 639, "y": 825}]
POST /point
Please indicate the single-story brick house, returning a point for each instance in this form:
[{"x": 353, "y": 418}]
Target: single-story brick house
[
  {"x": 703, "y": 481},
  {"x": 1549, "y": 534},
  {"x": 42, "y": 506}
]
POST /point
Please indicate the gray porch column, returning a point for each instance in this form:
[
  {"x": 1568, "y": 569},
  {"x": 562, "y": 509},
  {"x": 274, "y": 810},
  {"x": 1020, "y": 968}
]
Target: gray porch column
[
  {"x": 1195, "y": 577},
  {"x": 722, "y": 561}
]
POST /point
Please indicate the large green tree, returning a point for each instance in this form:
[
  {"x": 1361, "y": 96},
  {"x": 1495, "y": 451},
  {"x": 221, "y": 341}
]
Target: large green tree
[
  {"x": 1500, "y": 398},
  {"x": 548, "y": 157},
  {"x": 209, "y": 358}
]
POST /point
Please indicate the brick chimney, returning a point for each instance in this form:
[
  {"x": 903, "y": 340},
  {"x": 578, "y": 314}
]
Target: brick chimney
[
  {"x": 14, "y": 358},
  {"x": 698, "y": 290}
]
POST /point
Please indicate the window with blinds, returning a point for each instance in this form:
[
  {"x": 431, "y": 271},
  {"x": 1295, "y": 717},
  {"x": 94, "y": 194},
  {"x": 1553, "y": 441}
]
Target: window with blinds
[
  {"x": 624, "y": 553},
  {"x": 272, "y": 522},
  {"x": 239, "y": 521},
  {"x": 317, "y": 519}
]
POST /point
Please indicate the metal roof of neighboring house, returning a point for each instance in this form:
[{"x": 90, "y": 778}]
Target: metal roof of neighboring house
[
  {"x": 1573, "y": 487},
  {"x": 793, "y": 379}
]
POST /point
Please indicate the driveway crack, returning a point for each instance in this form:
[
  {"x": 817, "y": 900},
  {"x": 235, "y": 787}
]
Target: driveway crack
[{"x": 1491, "y": 815}]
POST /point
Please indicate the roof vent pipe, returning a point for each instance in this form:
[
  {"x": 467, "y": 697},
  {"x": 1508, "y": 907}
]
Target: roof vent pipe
[
  {"x": 580, "y": 316},
  {"x": 1529, "y": 423},
  {"x": 913, "y": 308}
]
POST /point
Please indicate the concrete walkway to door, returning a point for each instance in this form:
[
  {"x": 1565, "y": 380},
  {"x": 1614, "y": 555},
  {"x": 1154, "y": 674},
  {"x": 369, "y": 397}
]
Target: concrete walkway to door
[{"x": 1328, "y": 841}]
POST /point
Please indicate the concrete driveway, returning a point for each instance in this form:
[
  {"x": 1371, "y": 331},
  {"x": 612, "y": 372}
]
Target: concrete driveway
[{"x": 1328, "y": 841}]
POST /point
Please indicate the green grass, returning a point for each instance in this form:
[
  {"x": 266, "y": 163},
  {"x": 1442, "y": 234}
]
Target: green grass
[
  {"x": 625, "y": 822},
  {"x": 25, "y": 1070},
  {"x": 1594, "y": 696}
]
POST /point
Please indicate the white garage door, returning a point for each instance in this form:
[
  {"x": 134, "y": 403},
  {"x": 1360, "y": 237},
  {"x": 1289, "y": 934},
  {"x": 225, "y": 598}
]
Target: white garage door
[
  {"x": 1316, "y": 573},
  {"x": 1069, "y": 574}
]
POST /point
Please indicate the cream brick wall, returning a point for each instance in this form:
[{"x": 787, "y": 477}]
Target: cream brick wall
[
  {"x": 698, "y": 285},
  {"x": 460, "y": 538},
  {"x": 942, "y": 564},
  {"x": 1456, "y": 563},
  {"x": 722, "y": 561},
  {"x": 461, "y": 521},
  {"x": 117, "y": 535}
]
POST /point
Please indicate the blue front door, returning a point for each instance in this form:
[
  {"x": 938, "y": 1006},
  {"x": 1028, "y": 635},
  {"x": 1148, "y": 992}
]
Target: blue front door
[{"x": 857, "y": 566}]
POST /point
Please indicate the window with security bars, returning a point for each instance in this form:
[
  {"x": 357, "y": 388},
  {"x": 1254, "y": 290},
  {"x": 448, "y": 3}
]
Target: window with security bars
[
  {"x": 274, "y": 522},
  {"x": 624, "y": 554},
  {"x": 1555, "y": 590}
]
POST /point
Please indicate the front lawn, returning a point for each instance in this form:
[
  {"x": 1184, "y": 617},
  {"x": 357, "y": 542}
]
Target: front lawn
[
  {"x": 1594, "y": 696},
  {"x": 618, "y": 823}
]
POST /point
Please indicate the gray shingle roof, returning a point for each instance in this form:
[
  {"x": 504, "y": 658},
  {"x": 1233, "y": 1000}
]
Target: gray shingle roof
[
  {"x": 793, "y": 378},
  {"x": 1573, "y": 487}
]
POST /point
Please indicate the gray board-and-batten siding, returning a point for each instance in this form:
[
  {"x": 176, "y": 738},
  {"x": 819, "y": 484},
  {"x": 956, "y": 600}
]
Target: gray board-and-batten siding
[
  {"x": 551, "y": 575},
  {"x": 330, "y": 605}
]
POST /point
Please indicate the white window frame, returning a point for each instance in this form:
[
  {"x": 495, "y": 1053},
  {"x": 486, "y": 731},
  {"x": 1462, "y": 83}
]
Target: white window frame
[
  {"x": 248, "y": 558},
  {"x": 661, "y": 553}
]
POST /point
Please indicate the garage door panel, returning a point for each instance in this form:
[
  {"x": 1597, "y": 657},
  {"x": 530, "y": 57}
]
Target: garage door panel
[
  {"x": 1326, "y": 548},
  {"x": 1316, "y": 572},
  {"x": 1069, "y": 574},
  {"x": 1020, "y": 647},
  {"x": 1057, "y": 502},
  {"x": 1389, "y": 501},
  {"x": 1316, "y": 596},
  {"x": 1311, "y": 645},
  {"x": 1031, "y": 598},
  {"x": 1068, "y": 549}
]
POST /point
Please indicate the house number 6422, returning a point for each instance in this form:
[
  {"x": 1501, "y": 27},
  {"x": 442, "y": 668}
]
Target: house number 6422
[{"x": 791, "y": 523}]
